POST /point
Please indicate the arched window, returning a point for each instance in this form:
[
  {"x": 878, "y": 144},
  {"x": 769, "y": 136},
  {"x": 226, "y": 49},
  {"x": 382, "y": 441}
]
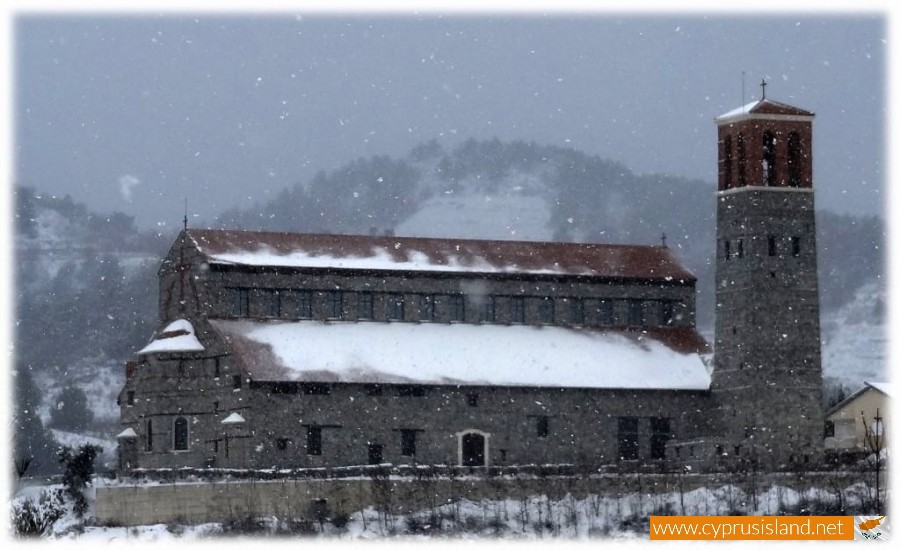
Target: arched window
[
  {"x": 728, "y": 164},
  {"x": 180, "y": 438},
  {"x": 742, "y": 160},
  {"x": 769, "y": 160},
  {"x": 795, "y": 160}
]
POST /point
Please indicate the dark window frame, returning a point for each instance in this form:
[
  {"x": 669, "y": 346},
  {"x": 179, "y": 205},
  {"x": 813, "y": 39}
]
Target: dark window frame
[
  {"x": 236, "y": 381},
  {"x": 457, "y": 303},
  {"x": 606, "y": 313},
  {"x": 795, "y": 246},
  {"x": 365, "y": 309},
  {"x": 129, "y": 398},
  {"x": 629, "y": 438},
  {"x": 180, "y": 434},
  {"x": 149, "y": 446},
  {"x": 488, "y": 312},
  {"x": 772, "y": 243},
  {"x": 666, "y": 312},
  {"x": 334, "y": 304},
  {"x": 660, "y": 434},
  {"x": 742, "y": 160},
  {"x": 394, "y": 307},
  {"x": 314, "y": 440},
  {"x": 795, "y": 160},
  {"x": 517, "y": 310},
  {"x": 426, "y": 307},
  {"x": 636, "y": 315},
  {"x": 728, "y": 163},
  {"x": 546, "y": 311},
  {"x": 542, "y": 426},
  {"x": 240, "y": 302},
  {"x": 769, "y": 160},
  {"x": 303, "y": 304},
  {"x": 408, "y": 442},
  {"x": 472, "y": 399},
  {"x": 271, "y": 303},
  {"x": 576, "y": 311}
]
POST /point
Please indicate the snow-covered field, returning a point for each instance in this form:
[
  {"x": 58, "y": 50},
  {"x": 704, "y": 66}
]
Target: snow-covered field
[{"x": 536, "y": 517}]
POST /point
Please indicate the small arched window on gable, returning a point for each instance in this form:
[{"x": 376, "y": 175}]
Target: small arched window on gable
[
  {"x": 742, "y": 160},
  {"x": 180, "y": 436},
  {"x": 769, "y": 160},
  {"x": 795, "y": 160}
]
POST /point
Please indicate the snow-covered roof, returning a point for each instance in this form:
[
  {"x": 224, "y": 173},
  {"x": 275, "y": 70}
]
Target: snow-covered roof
[
  {"x": 763, "y": 108},
  {"x": 234, "y": 418},
  {"x": 464, "y": 354},
  {"x": 178, "y": 336},
  {"x": 883, "y": 387},
  {"x": 294, "y": 250},
  {"x": 128, "y": 432}
]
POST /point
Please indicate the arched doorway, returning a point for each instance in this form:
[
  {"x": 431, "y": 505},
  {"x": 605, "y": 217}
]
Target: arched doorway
[{"x": 474, "y": 449}]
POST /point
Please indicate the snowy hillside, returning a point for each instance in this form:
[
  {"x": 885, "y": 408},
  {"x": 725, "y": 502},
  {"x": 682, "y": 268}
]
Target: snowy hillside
[
  {"x": 854, "y": 340},
  {"x": 515, "y": 208}
]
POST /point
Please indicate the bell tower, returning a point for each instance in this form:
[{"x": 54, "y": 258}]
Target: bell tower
[{"x": 767, "y": 381}]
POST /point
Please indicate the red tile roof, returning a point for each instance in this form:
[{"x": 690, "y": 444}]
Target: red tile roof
[{"x": 652, "y": 263}]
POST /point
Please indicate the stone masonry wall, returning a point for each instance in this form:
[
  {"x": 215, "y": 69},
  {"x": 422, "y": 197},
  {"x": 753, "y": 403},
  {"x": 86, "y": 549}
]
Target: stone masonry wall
[{"x": 191, "y": 503}]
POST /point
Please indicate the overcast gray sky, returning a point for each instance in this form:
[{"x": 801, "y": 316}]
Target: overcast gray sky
[{"x": 134, "y": 113}]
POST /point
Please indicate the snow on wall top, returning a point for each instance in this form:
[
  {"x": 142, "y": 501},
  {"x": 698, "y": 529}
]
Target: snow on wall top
[
  {"x": 762, "y": 107},
  {"x": 178, "y": 336},
  {"x": 127, "y": 433},
  {"x": 438, "y": 255},
  {"x": 462, "y": 354}
]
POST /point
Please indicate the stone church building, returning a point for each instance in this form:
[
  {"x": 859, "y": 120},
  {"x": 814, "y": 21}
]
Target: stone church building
[{"x": 278, "y": 350}]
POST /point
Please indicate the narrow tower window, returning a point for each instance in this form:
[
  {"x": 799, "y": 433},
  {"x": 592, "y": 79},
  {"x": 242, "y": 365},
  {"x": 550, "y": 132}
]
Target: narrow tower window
[
  {"x": 773, "y": 245},
  {"x": 795, "y": 160},
  {"x": 727, "y": 250},
  {"x": 769, "y": 160},
  {"x": 795, "y": 246},
  {"x": 728, "y": 164},
  {"x": 742, "y": 160}
]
